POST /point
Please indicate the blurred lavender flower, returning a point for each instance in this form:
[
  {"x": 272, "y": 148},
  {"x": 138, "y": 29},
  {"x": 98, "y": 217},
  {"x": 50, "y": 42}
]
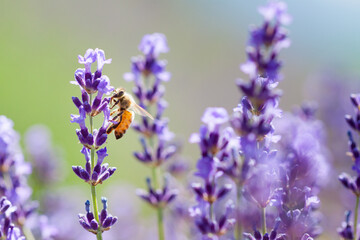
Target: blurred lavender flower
[
  {"x": 148, "y": 73},
  {"x": 158, "y": 198},
  {"x": 14, "y": 172},
  {"x": 252, "y": 162},
  {"x": 328, "y": 88},
  {"x": 92, "y": 83},
  {"x": 303, "y": 171},
  {"x": 46, "y": 158},
  {"x": 7, "y": 228},
  {"x": 212, "y": 140},
  {"x": 346, "y": 231},
  {"x": 266, "y": 41},
  {"x": 272, "y": 236},
  {"x": 352, "y": 183}
]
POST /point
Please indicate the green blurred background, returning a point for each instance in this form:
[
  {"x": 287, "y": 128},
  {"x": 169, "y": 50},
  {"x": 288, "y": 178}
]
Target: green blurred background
[{"x": 40, "y": 41}]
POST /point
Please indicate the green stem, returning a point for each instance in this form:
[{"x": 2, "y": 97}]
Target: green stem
[
  {"x": 263, "y": 218},
  {"x": 238, "y": 229},
  {"x": 93, "y": 189},
  {"x": 155, "y": 177},
  {"x": 160, "y": 222},
  {"x": 27, "y": 233},
  {"x": 356, "y": 217},
  {"x": 160, "y": 212},
  {"x": 211, "y": 211}
]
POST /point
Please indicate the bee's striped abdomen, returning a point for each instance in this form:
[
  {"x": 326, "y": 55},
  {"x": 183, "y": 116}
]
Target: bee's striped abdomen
[{"x": 124, "y": 124}]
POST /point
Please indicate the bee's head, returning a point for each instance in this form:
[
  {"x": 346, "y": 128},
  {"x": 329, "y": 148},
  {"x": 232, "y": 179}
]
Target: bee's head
[{"x": 119, "y": 93}]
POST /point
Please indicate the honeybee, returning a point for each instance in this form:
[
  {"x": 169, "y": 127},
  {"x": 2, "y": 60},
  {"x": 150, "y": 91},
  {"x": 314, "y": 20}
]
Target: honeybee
[{"x": 125, "y": 112}]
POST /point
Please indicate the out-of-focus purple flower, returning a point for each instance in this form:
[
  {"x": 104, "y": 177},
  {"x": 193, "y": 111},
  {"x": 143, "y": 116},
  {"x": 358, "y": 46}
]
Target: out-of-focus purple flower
[
  {"x": 261, "y": 184},
  {"x": 346, "y": 230},
  {"x": 304, "y": 149},
  {"x": 158, "y": 198},
  {"x": 214, "y": 142},
  {"x": 209, "y": 226},
  {"x": 153, "y": 44},
  {"x": 351, "y": 183},
  {"x": 303, "y": 171},
  {"x": 146, "y": 66},
  {"x": 354, "y": 153},
  {"x": 354, "y": 123},
  {"x": 215, "y": 117},
  {"x": 306, "y": 237},
  {"x": 252, "y": 162},
  {"x": 275, "y": 11},
  {"x": 272, "y": 236},
  {"x": 14, "y": 172},
  {"x": 45, "y": 157},
  {"x": 4, "y": 205},
  {"x": 266, "y": 41}
]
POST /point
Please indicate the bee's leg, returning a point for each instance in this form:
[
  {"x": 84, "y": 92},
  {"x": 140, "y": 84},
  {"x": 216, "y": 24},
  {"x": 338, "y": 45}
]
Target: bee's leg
[
  {"x": 118, "y": 115},
  {"x": 112, "y": 126},
  {"x": 113, "y": 112},
  {"x": 116, "y": 103}
]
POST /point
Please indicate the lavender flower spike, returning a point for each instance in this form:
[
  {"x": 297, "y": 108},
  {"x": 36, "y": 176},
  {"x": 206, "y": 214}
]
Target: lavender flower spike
[
  {"x": 352, "y": 183},
  {"x": 214, "y": 142},
  {"x": 93, "y": 139},
  {"x": 252, "y": 162},
  {"x": 148, "y": 74}
]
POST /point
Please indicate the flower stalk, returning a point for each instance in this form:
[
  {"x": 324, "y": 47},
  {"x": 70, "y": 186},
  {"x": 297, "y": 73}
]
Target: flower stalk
[
  {"x": 356, "y": 212},
  {"x": 238, "y": 228},
  {"x": 263, "y": 218}
]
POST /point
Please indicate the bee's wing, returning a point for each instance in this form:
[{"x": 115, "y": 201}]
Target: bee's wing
[{"x": 139, "y": 110}]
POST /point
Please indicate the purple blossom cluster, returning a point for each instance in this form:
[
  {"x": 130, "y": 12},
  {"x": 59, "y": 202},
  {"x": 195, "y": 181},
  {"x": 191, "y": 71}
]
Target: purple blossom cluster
[
  {"x": 276, "y": 173},
  {"x": 91, "y": 83},
  {"x": 303, "y": 172},
  {"x": 258, "y": 176},
  {"x": 89, "y": 107},
  {"x": 148, "y": 74},
  {"x": 214, "y": 143},
  {"x": 18, "y": 213},
  {"x": 349, "y": 230}
]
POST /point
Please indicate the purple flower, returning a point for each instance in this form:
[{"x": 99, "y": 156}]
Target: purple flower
[
  {"x": 89, "y": 223},
  {"x": 88, "y": 59},
  {"x": 209, "y": 227},
  {"x": 16, "y": 207},
  {"x": 275, "y": 11},
  {"x": 266, "y": 41},
  {"x": 346, "y": 231},
  {"x": 153, "y": 44},
  {"x": 89, "y": 106},
  {"x": 97, "y": 174},
  {"x": 214, "y": 142},
  {"x": 158, "y": 198},
  {"x": 46, "y": 158},
  {"x": 84, "y": 78},
  {"x": 272, "y": 236},
  {"x": 101, "y": 61},
  {"x": 214, "y": 117},
  {"x": 261, "y": 184}
]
